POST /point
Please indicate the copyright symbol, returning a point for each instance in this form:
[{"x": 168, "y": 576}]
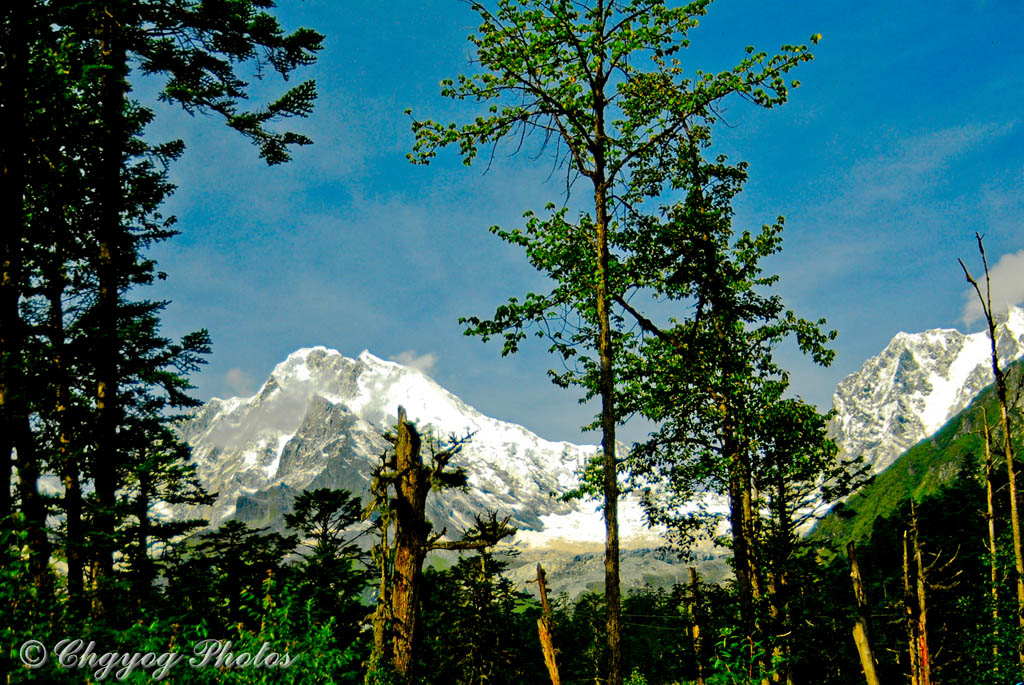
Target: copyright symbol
[{"x": 33, "y": 653}]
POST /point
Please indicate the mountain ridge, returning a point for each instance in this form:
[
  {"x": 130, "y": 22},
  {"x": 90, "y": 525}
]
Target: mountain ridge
[
  {"x": 915, "y": 385},
  {"x": 319, "y": 420}
]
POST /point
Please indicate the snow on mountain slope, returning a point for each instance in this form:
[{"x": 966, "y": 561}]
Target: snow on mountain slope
[
  {"x": 917, "y": 383},
  {"x": 318, "y": 422}
]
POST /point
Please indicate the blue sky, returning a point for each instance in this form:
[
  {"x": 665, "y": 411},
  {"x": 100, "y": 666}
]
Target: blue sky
[{"x": 905, "y": 138}]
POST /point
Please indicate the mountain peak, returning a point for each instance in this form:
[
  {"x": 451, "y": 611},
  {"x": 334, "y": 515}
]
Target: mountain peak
[
  {"x": 318, "y": 421},
  {"x": 915, "y": 385}
]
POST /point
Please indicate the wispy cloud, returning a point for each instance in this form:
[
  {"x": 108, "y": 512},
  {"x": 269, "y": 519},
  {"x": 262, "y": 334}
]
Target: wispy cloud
[
  {"x": 1007, "y": 282},
  {"x": 240, "y": 382},
  {"x": 917, "y": 162},
  {"x": 421, "y": 362}
]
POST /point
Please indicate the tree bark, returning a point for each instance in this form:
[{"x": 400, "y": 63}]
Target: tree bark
[
  {"x": 922, "y": 615},
  {"x": 410, "y": 545},
  {"x": 861, "y": 634},
  {"x": 914, "y": 601},
  {"x": 547, "y": 644},
  {"x": 992, "y": 552},
  {"x": 742, "y": 525},
  {"x": 613, "y": 604},
  {"x": 910, "y": 618}
]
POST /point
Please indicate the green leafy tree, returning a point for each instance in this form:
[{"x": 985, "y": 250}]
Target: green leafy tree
[
  {"x": 798, "y": 470},
  {"x": 601, "y": 79},
  {"x": 710, "y": 380}
]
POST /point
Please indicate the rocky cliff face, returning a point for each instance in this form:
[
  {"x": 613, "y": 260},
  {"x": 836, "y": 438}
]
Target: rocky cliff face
[
  {"x": 318, "y": 422},
  {"x": 916, "y": 385}
]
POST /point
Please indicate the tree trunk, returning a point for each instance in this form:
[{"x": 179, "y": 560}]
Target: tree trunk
[
  {"x": 410, "y": 545},
  {"x": 992, "y": 556},
  {"x": 32, "y": 505},
  {"x": 66, "y": 461},
  {"x": 861, "y": 634},
  {"x": 380, "y": 658},
  {"x": 1000, "y": 379},
  {"x": 778, "y": 581},
  {"x": 742, "y": 526},
  {"x": 607, "y": 387},
  {"x": 1018, "y": 556},
  {"x": 922, "y": 616},
  {"x": 12, "y": 207},
  {"x": 695, "y": 615},
  {"x": 915, "y": 604},
  {"x": 111, "y": 245},
  {"x": 547, "y": 644},
  {"x": 910, "y": 618}
]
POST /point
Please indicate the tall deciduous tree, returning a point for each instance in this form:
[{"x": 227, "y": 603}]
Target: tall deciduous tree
[
  {"x": 602, "y": 79},
  {"x": 713, "y": 383}
]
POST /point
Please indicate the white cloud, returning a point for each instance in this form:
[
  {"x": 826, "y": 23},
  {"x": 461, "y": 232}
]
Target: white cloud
[
  {"x": 917, "y": 162},
  {"x": 422, "y": 362},
  {"x": 239, "y": 382},
  {"x": 1007, "y": 278}
]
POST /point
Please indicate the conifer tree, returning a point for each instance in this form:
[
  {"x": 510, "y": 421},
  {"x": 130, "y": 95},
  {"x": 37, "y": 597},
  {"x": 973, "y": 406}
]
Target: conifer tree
[
  {"x": 196, "y": 45},
  {"x": 81, "y": 191},
  {"x": 333, "y": 570}
]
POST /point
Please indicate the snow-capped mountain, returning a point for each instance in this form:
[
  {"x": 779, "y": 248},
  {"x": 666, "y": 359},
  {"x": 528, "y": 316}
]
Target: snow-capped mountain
[
  {"x": 916, "y": 385},
  {"x": 318, "y": 422}
]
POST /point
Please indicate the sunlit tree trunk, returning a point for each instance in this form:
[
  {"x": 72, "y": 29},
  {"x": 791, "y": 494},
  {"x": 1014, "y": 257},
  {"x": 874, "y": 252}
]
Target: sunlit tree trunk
[
  {"x": 861, "y": 630},
  {"x": 990, "y": 517}
]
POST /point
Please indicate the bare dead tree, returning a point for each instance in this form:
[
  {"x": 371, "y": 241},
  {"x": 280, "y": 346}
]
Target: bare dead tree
[
  {"x": 1000, "y": 380},
  {"x": 400, "y": 486},
  {"x": 861, "y": 632}
]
